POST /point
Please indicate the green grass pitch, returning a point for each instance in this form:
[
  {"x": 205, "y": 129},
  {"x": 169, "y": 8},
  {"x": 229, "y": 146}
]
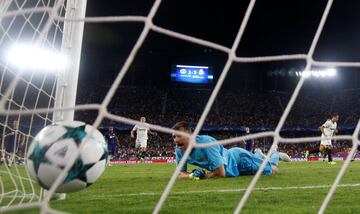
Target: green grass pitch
[{"x": 137, "y": 188}]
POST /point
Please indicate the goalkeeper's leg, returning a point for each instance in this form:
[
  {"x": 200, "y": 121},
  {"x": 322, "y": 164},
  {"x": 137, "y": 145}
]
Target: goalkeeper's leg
[
  {"x": 284, "y": 157},
  {"x": 274, "y": 158},
  {"x": 274, "y": 161}
]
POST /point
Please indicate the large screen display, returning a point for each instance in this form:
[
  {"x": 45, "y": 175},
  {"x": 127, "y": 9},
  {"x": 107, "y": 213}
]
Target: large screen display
[{"x": 191, "y": 74}]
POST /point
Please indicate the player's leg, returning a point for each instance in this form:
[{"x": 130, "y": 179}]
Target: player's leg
[
  {"x": 329, "y": 153},
  {"x": 20, "y": 154},
  {"x": 322, "y": 147},
  {"x": 259, "y": 152},
  {"x": 357, "y": 150},
  {"x": 143, "y": 147},
  {"x": 272, "y": 165},
  {"x": 2, "y": 157},
  {"x": 138, "y": 149},
  {"x": 274, "y": 159},
  {"x": 325, "y": 155},
  {"x": 111, "y": 154},
  {"x": 11, "y": 159},
  {"x": 284, "y": 157},
  {"x": 9, "y": 153}
]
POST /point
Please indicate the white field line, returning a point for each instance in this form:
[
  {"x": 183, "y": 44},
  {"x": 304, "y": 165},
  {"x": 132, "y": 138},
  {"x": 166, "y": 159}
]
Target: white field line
[{"x": 26, "y": 196}]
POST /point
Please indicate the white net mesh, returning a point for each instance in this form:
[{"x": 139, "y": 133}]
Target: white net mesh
[
  {"x": 23, "y": 93},
  {"x": 24, "y": 22}
]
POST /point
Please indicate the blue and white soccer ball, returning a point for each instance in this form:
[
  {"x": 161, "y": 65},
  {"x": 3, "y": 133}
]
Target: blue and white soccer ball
[{"x": 52, "y": 148}]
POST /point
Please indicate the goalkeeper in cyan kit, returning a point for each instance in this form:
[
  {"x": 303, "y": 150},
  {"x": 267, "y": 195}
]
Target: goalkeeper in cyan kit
[{"x": 220, "y": 162}]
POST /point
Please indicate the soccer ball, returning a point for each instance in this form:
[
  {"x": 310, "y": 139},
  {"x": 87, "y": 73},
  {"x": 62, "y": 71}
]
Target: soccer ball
[{"x": 52, "y": 148}]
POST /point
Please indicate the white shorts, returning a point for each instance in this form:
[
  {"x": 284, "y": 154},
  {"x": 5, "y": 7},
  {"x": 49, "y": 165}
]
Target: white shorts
[
  {"x": 142, "y": 143},
  {"x": 326, "y": 143}
]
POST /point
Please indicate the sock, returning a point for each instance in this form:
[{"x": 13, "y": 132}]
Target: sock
[
  {"x": 143, "y": 154},
  {"x": 138, "y": 155},
  {"x": 329, "y": 154}
]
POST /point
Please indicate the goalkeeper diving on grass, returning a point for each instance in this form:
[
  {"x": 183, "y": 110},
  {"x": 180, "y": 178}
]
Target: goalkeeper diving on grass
[{"x": 217, "y": 160}]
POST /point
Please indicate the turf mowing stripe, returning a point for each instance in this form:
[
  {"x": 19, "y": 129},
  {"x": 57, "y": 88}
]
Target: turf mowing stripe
[{"x": 228, "y": 190}]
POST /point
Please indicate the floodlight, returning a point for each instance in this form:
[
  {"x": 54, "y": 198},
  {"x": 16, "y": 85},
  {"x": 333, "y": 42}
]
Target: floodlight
[{"x": 35, "y": 58}]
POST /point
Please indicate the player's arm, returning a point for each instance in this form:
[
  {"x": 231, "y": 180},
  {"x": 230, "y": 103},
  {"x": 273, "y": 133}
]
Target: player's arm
[
  {"x": 152, "y": 133},
  {"x": 9, "y": 134},
  {"x": 132, "y": 132},
  {"x": 327, "y": 124},
  {"x": 217, "y": 162},
  {"x": 183, "y": 174},
  {"x": 219, "y": 172},
  {"x": 322, "y": 130}
]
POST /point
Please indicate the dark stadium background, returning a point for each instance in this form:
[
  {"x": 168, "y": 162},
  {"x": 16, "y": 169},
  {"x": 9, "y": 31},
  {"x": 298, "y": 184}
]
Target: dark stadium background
[
  {"x": 275, "y": 27},
  {"x": 261, "y": 89}
]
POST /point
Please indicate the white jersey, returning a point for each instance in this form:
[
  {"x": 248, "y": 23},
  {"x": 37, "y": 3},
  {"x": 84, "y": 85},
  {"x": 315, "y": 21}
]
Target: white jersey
[
  {"x": 329, "y": 129},
  {"x": 141, "y": 132}
]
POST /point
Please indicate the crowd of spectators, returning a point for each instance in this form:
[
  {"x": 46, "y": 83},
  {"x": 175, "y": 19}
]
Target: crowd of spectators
[
  {"x": 259, "y": 111},
  {"x": 231, "y": 108}
]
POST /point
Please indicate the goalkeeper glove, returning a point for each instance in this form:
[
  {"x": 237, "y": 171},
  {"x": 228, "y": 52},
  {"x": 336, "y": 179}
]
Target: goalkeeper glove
[{"x": 197, "y": 174}]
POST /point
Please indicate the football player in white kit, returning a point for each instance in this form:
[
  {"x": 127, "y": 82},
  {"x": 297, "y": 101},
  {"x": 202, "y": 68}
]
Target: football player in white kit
[
  {"x": 328, "y": 129},
  {"x": 142, "y": 132}
]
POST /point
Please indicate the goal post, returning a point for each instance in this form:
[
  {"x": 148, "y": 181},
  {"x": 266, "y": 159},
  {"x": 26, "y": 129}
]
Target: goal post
[
  {"x": 71, "y": 48},
  {"x": 67, "y": 82}
]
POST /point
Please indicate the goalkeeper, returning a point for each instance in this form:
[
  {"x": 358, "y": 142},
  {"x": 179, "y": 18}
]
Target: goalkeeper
[{"x": 220, "y": 162}]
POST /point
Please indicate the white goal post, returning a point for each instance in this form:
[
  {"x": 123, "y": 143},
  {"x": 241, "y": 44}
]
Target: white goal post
[{"x": 71, "y": 48}]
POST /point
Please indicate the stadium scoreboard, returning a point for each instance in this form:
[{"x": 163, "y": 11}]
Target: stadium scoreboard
[{"x": 191, "y": 74}]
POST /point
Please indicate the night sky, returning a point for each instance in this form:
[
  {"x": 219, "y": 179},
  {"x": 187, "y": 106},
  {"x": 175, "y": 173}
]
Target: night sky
[{"x": 275, "y": 27}]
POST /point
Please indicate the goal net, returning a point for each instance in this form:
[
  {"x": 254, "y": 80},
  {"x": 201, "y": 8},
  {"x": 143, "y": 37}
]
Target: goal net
[
  {"x": 26, "y": 27},
  {"x": 32, "y": 97}
]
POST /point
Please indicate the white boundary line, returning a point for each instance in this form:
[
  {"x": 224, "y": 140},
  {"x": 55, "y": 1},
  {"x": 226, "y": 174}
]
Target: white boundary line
[
  {"x": 26, "y": 196},
  {"x": 224, "y": 191}
]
